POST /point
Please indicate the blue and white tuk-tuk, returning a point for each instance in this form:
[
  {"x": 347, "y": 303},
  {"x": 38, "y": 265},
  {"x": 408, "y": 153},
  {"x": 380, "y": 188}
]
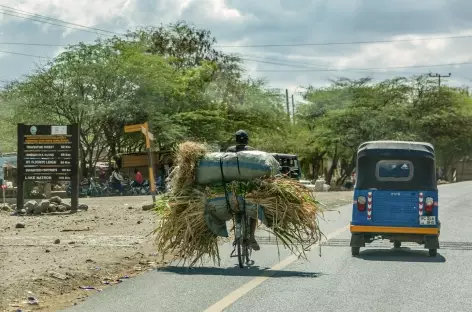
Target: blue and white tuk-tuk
[{"x": 395, "y": 195}]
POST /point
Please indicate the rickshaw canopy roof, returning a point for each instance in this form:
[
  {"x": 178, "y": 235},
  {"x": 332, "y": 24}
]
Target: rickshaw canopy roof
[
  {"x": 419, "y": 155},
  {"x": 393, "y": 148},
  {"x": 285, "y": 156}
]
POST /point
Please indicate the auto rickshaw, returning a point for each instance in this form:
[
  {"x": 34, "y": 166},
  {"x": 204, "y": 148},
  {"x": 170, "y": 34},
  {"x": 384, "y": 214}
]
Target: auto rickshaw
[
  {"x": 290, "y": 164},
  {"x": 395, "y": 195}
]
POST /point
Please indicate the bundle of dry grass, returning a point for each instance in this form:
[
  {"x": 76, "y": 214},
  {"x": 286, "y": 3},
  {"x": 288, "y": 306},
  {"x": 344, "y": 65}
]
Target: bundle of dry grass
[
  {"x": 187, "y": 157},
  {"x": 290, "y": 209},
  {"x": 183, "y": 231},
  {"x": 292, "y": 212}
]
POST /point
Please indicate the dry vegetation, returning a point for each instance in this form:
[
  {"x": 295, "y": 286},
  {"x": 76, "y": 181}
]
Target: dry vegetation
[{"x": 290, "y": 209}]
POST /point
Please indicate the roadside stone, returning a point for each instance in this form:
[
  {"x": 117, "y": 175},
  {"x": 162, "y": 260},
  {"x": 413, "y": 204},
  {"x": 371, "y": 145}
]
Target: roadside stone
[
  {"x": 61, "y": 208},
  {"x": 37, "y": 210},
  {"x": 30, "y": 206},
  {"x": 56, "y": 200},
  {"x": 57, "y": 241},
  {"x": 52, "y": 207},
  {"x": 44, "y": 206},
  {"x": 68, "y": 206},
  {"x": 148, "y": 207},
  {"x": 22, "y": 211},
  {"x": 20, "y": 226},
  {"x": 13, "y": 206},
  {"x": 83, "y": 207},
  {"x": 59, "y": 276},
  {"x": 5, "y": 207}
]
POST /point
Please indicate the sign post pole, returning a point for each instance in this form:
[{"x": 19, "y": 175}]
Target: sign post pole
[
  {"x": 74, "y": 201},
  {"x": 144, "y": 128},
  {"x": 152, "y": 181},
  {"x": 20, "y": 175}
]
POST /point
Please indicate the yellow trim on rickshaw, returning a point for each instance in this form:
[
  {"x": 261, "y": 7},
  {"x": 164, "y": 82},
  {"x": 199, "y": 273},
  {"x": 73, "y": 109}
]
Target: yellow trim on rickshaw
[{"x": 393, "y": 229}]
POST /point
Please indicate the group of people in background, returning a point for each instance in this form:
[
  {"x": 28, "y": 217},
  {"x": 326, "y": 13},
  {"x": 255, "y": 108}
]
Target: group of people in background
[{"x": 116, "y": 179}]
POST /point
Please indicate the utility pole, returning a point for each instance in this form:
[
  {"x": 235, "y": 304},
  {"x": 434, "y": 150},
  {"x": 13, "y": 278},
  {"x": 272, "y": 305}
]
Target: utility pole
[
  {"x": 288, "y": 106},
  {"x": 439, "y": 77},
  {"x": 293, "y": 110}
]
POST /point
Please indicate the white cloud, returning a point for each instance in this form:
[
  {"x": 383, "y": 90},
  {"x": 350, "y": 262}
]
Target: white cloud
[
  {"x": 244, "y": 22},
  {"x": 83, "y": 12}
]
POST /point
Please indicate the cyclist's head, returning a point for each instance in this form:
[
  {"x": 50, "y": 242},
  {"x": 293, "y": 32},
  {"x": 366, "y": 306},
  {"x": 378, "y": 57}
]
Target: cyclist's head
[{"x": 241, "y": 137}]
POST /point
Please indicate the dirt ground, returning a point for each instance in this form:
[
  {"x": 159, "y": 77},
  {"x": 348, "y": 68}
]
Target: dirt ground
[{"x": 53, "y": 256}]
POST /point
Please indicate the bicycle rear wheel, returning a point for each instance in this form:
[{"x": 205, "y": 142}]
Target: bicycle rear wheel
[{"x": 243, "y": 242}]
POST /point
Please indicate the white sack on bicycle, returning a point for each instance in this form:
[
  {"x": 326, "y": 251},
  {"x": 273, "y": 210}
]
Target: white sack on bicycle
[{"x": 242, "y": 166}]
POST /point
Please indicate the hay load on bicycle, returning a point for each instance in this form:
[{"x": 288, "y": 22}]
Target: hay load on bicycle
[{"x": 210, "y": 189}]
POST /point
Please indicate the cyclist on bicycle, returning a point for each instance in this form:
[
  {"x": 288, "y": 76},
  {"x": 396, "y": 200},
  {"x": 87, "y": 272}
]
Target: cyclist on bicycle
[{"x": 242, "y": 140}]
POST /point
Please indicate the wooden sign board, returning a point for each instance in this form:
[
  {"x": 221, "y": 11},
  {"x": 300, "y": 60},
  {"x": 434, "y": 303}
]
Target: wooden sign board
[{"x": 133, "y": 128}]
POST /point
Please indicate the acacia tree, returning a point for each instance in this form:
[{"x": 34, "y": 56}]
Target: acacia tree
[
  {"x": 351, "y": 112},
  {"x": 92, "y": 85}
]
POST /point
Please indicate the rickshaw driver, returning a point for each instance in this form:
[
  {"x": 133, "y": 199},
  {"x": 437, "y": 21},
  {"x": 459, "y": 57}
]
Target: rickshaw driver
[{"x": 242, "y": 140}]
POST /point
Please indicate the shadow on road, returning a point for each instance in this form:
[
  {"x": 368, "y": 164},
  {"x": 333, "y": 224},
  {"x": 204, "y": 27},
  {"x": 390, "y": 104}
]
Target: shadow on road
[
  {"x": 254, "y": 271},
  {"x": 401, "y": 255}
]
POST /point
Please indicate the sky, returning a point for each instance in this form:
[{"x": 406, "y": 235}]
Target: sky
[{"x": 308, "y": 29}]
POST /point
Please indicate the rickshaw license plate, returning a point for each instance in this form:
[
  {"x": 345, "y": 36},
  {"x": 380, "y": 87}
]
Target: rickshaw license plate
[{"x": 427, "y": 220}]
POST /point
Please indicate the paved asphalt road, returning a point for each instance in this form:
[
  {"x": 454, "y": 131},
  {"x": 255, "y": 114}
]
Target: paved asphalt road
[{"x": 381, "y": 279}]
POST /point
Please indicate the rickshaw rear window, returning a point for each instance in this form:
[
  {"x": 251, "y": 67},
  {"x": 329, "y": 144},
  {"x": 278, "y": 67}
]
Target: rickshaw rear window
[{"x": 394, "y": 170}]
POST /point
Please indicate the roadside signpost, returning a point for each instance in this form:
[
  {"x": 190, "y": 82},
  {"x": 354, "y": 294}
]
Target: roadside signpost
[
  {"x": 48, "y": 153},
  {"x": 3, "y": 193},
  {"x": 144, "y": 129}
]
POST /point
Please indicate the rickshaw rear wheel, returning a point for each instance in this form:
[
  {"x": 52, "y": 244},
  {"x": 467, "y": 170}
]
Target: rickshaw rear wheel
[
  {"x": 397, "y": 244},
  {"x": 355, "y": 251},
  {"x": 433, "y": 252}
]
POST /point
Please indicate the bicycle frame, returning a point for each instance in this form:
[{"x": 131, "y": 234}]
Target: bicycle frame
[{"x": 242, "y": 249}]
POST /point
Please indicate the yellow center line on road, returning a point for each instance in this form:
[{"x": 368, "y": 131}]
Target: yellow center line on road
[{"x": 244, "y": 289}]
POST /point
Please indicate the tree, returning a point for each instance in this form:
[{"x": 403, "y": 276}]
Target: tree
[
  {"x": 187, "y": 46},
  {"x": 351, "y": 112},
  {"x": 93, "y": 85}
]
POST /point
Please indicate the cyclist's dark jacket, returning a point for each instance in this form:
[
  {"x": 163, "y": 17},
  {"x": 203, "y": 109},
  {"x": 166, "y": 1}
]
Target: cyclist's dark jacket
[{"x": 239, "y": 148}]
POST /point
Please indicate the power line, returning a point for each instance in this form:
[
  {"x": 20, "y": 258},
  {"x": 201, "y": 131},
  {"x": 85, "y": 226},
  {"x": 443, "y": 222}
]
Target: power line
[
  {"x": 34, "y": 44},
  {"x": 47, "y": 19},
  {"x": 439, "y": 76},
  {"x": 48, "y": 22},
  {"x": 22, "y": 54},
  {"x": 297, "y": 65},
  {"x": 371, "y": 68},
  {"x": 342, "y": 43},
  {"x": 301, "y": 65},
  {"x": 9, "y": 8},
  {"x": 243, "y": 56},
  {"x": 301, "y": 69},
  {"x": 248, "y": 58}
]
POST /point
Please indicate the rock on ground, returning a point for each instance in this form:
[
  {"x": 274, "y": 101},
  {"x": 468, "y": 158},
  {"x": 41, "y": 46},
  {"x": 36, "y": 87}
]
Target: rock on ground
[
  {"x": 5, "y": 207},
  {"x": 147, "y": 207},
  {"x": 56, "y": 200},
  {"x": 44, "y": 206},
  {"x": 30, "y": 206}
]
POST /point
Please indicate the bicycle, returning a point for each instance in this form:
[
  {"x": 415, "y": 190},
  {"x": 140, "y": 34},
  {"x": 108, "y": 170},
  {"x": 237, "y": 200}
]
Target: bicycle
[{"x": 242, "y": 244}]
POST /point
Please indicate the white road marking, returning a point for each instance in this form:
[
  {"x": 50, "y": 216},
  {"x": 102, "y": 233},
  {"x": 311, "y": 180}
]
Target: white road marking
[{"x": 244, "y": 289}]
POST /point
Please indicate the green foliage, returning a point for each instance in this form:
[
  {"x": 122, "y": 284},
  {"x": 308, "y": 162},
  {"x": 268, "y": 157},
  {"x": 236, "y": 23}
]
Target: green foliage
[
  {"x": 351, "y": 112},
  {"x": 174, "y": 77},
  {"x": 171, "y": 76}
]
